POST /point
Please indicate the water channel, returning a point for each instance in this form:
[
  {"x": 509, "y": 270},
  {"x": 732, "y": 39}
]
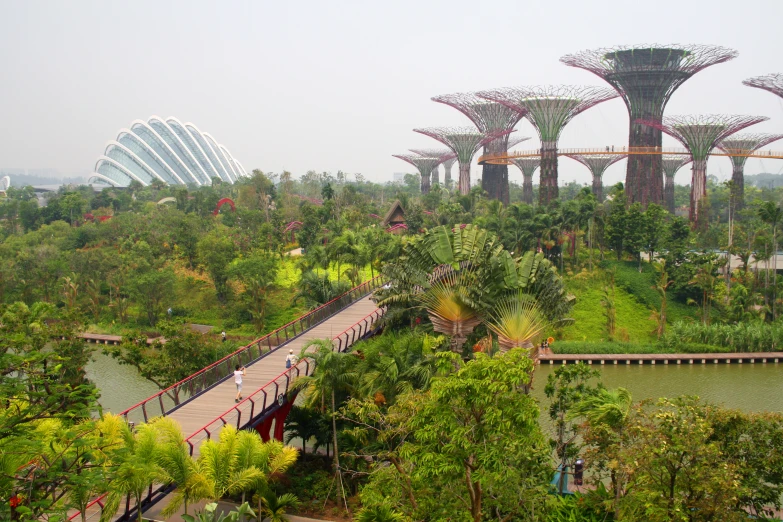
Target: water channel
[{"x": 748, "y": 387}]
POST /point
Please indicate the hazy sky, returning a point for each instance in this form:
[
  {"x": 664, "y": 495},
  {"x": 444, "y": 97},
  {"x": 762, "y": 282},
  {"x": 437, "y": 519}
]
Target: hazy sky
[{"x": 331, "y": 85}]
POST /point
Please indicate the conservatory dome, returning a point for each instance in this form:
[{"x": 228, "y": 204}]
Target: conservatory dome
[{"x": 166, "y": 150}]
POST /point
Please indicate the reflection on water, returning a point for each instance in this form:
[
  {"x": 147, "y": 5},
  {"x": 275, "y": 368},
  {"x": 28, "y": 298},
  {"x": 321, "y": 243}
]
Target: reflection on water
[
  {"x": 747, "y": 387},
  {"x": 120, "y": 385}
]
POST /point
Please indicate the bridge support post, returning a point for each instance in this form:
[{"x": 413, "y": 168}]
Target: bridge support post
[
  {"x": 264, "y": 428},
  {"x": 280, "y": 416}
]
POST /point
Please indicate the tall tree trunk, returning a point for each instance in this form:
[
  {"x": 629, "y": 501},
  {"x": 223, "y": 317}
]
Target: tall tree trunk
[
  {"x": 464, "y": 178},
  {"x": 698, "y": 188},
  {"x": 547, "y": 189},
  {"x": 669, "y": 194},
  {"x": 643, "y": 180},
  {"x": 598, "y": 188},
  {"x": 425, "y": 183},
  {"x": 527, "y": 189},
  {"x": 738, "y": 185}
]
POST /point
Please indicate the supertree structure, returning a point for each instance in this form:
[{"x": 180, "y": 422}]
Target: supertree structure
[
  {"x": 740, "y": 145},
  {"x": 528, "y": 167},
  {"x": 646, "y": 76},
  {"x": 670, "y": 164},
  {"x": 513, "y": 141},
  {"x": 447, "y": 171},
  {"x": 769, "y": 82},
  {"x": 597, "y": 163},
  {"x": 700, "y": 134},
  {"x": 488, "y": 117},
  {"x": 442, "y": 154},
  {"x": 463, "y": 142},
  {"x": 549, "y": 109},
  {"x": 423, "y": 165}
]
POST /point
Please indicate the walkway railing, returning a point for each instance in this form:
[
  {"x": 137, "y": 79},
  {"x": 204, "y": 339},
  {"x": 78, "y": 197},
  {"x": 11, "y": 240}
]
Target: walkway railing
[
  {"x": 168, "y": 399},
  {"x": 265, "y": 397}
]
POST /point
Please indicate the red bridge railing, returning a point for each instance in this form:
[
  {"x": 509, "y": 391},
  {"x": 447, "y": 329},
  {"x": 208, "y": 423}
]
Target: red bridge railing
[
  {"x": 264, "y": 398},
  {"x": 166, "y": 400}
]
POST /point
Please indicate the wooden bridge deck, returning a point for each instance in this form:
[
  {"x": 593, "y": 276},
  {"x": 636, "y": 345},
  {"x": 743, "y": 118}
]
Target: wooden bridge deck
[{"x": 210, "y": 405}]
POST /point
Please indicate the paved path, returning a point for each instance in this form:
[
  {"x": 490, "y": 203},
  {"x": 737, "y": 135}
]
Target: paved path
[{"x": 209, "y": 406}]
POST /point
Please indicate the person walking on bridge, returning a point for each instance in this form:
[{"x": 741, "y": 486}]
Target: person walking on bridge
[
  {"x": 238, "y": 373},
  {"x": 290, "y": 359}
]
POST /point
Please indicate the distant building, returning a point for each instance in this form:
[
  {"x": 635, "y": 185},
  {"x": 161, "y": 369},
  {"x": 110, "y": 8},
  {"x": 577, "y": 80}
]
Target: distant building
[
  {"x": 168, "y": 151},
  {"x": 398, "y": 177}
]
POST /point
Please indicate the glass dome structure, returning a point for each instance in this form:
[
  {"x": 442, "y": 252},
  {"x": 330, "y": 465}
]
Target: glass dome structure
[{"x": 168, "y": 150}]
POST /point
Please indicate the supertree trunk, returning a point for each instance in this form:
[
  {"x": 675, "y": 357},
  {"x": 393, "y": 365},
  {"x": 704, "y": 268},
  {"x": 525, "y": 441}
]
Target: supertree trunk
[
  {"x": 435, "y": 175},
  {"x": 447, "y": 175},
  {"x": 698, "y": 188},
  {"x": 669, "y": 194},
  {"x": 547, "y": 190},
  {"x": 527, "y": 189},
  {"x": 464, "y": 178},
  {"x": 643, "y": 180},
  {"x": 494, "y": 178},
  {"x": 425, "y": 183},
  {"x": 738, "y": 186},
  {"x": 598, "y": 188}
]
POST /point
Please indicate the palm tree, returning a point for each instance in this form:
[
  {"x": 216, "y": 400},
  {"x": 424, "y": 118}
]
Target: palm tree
[
  {"x": 517, "y": 323},
  {"x": 302, "y": 423},
  {"x": 273, "y": 508},
  {"x": 220, "y": 462},
  {"x": 318, "y": 289},
  {"x": 608, "y": 411},
  {"x": 332, "y": 375},
  {"x": 450, "y": 308},
  {"x": 772, "y": 215},
  {"x": 661, "y": 286},
  {"x": 381, "y": 513},
  {"x": 181, "y": 469},
  {"x": 137, "y": 468}
]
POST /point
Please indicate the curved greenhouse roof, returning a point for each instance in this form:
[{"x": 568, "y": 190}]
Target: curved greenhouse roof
[{"x": 168, "y": 150}]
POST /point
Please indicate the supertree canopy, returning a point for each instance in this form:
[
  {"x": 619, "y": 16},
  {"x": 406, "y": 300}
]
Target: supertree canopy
[
  {"x": 513, "y": 141},
  {"x": 740, "y": 145},
  {"x": 770, "y": 82},
  {"x": 700, "y": 135},
  {"x": 670, "y": 165},
  {"x": 646, "y": 76},
  {"x": 464, "y": 142},
  {"x": 528, "y": 167},
  {"x": 597, "y": 163},
  {"x": 423, "y": 165},
  {"x": 442, "y": 154},
  {"x": 488, "y": 117},
  {"x": 549, "y": 109}
]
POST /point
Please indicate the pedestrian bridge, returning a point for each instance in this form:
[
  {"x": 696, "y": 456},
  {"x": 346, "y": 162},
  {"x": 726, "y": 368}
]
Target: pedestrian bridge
[{"x": 203, "y": 403}]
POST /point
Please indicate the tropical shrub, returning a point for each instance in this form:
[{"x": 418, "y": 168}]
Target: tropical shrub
[{"x": 742, "y": 337}]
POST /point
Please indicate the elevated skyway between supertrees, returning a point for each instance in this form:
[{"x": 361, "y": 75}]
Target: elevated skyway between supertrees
[
  {"x": 701, "y": 134},
  {"x": 488, "y": 117},
  {"x": 549, "y": 108},
  {"x": 646, "y": 76},
  {"x": 509, "y": 158}
]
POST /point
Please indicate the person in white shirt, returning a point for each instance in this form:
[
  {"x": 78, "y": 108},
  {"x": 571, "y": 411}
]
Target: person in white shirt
[
  {"x": 238, "y": 373},
  {"x": 291, "y": 359}
]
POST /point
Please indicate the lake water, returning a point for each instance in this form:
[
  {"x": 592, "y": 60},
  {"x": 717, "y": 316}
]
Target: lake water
[
  {"x": 120, "y": 385},
  {"x": 748, "y": 387}
]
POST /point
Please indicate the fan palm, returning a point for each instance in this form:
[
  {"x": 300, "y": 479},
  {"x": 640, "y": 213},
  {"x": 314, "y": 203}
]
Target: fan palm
[
  {"x": 517, "y": 323},
  {"x": 451, "y": 309},
  {"x": 607, "y": 407}
]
